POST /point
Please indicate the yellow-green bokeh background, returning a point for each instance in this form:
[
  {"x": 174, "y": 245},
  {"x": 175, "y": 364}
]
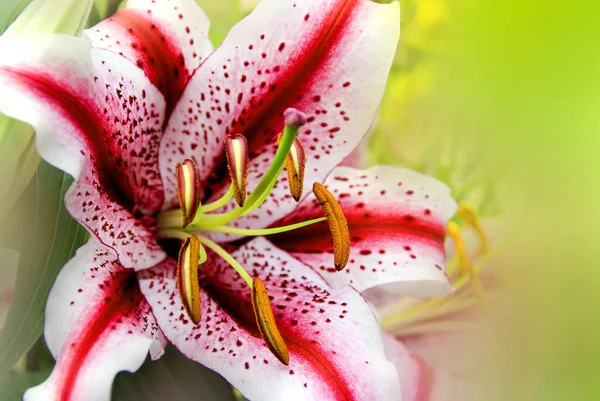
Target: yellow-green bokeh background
[{"x": 521, "y": 80}]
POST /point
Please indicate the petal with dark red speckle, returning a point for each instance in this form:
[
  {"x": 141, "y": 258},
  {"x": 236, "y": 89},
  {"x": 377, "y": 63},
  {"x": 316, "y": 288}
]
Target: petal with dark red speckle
[
  {"x": 97, "y": 324},
  {"x": 333, "y": 338},
  {"x": 397, "y": 221},
  {"x": 98, "y": 118},
  {"x": 167, "y": 39},
  {"x": 327, "y": 58}
]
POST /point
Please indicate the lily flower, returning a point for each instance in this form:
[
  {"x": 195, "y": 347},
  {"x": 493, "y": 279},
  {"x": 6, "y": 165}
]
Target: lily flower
[{"x": 177, "y": 167}]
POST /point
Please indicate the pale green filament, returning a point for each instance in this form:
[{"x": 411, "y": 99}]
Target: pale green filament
[
  {"x": 173, "y": 233},
  {"x": 227, "y": 258},
  {"x": 266, "y": 231},
  {"x": 218, "y": 203},
  {"x": 182, "y": 235},
  {"x": 172, "y": 218},
  {"x": 203, "y": 256}
]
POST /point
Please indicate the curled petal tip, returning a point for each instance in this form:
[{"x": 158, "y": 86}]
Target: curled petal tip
[
  {"x": 266, "y": 322},
  {"x": 187, "y": 277},
  {"x": 294, "y": 117},
  {"x": 337, "y": 225},
  {"x": 188, "y": 183},
  {"x": 236, "y": 148}
]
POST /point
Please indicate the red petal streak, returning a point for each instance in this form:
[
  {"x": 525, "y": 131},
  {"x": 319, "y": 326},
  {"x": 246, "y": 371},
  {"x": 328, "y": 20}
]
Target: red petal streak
[
  {"x": 94, "y": 312},
  {"x": 397, "y": 221},
  {"x": 310, "y": 55},
  {"x": 167, "y": 39},
  {"x": 98, "y": 118},
  {"x": 119, "y": 305},
  {"x": 333, "y": 338},
  {"x": 165, "y": 65}
]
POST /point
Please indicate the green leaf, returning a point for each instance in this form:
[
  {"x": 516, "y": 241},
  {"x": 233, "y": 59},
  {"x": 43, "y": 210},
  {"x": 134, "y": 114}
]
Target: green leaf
[
  {"x": 173, "y": 377},
  {"x": 13, "y": 385},
  {"x": 45, "y": 236},
  {"x": 9, "y": 10}
]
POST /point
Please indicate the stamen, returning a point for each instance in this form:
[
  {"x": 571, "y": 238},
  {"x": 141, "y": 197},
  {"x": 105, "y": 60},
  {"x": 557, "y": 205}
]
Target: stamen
[
  {"x": 464, "y": 264},
  {"x": 227, "y": 258},
  {"x": 471, "y": 217},
  {"x": 337, "y": 225},
  {"x": 188, "y": 182},
  {"x": 266, "y": 322},
  {"x": 266, "y": 184},
  {"x": 294, "y": 165},
  {"x": 187, "y": 276},
  {"x": 236, "y": 148}
]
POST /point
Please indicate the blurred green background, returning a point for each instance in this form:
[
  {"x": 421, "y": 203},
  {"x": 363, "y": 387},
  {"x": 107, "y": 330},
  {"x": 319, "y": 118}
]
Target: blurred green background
[{"x": 500, "y": 100}]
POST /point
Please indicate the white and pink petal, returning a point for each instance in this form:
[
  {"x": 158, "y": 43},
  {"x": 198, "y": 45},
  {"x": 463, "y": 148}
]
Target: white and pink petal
[
  {"x": 98, "y": 118},
  {"x": 397, "y": 221},
  {"x": 167, "y": 39},
  {"x": 333, "y": 338},
  {"x": 317, "y": 56},
  {"x": 95, "y": 311}
]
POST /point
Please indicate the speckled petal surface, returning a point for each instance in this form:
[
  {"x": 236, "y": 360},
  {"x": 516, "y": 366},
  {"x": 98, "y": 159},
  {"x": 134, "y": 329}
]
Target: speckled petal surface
[
  {"x": 327, "y": 58},
  {"x": 98, "y": 118},
  {"x": 167, "y": 39},
  {"x": 333, "y": 338},
  {"x": 397, "y": 220},
  {"x": 94, "y": 313}
]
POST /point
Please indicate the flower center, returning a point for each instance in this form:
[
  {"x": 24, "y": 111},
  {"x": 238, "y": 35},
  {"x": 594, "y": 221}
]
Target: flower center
[{"x": 192, "y": 221}]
